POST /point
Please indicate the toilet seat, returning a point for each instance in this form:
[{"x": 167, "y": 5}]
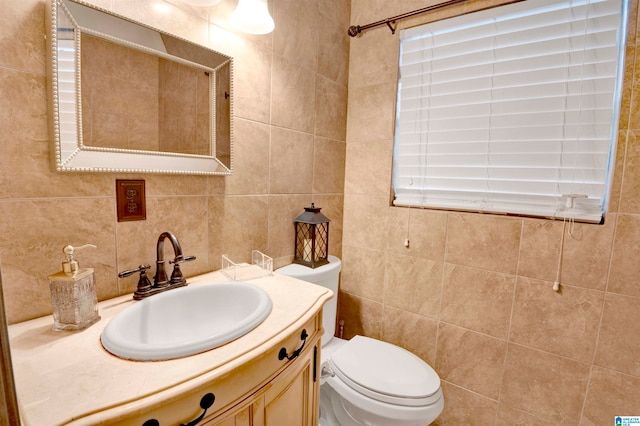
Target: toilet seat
[{"x": 384, "y": 373}]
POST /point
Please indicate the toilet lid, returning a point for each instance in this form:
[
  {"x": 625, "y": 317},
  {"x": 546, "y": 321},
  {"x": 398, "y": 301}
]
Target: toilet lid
[
  {"x": 312, "y": 275},
  {"x": 385, "y": 372}
]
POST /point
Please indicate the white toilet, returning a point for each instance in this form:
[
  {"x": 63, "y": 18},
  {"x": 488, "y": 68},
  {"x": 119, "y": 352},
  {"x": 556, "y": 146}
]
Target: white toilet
[{"x": 367, "y": 381}]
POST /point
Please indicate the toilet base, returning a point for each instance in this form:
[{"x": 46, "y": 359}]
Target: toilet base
[
  {"x": 335, "y": 411},
  {"x": 327, "y": 418}
]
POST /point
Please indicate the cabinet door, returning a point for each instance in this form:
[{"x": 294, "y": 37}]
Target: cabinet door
[
  {"x": 291, "y": 400},
  {"x": 249, "y": 414},
  {"x": 239, "y": 418}
]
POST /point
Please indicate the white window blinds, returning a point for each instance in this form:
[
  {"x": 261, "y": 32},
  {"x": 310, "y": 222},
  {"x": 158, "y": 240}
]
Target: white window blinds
[{"x": 511, "y": 110}]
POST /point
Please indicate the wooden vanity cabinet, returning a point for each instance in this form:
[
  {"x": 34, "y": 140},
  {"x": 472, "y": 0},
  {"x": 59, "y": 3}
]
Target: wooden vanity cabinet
[
  {"x": 290, "y": 399},
  {"x": 265, "y": 391},
  {"x": 266, "y": 377}
]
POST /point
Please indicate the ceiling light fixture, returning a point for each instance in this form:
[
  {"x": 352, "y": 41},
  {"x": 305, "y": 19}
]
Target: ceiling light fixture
[{"x": 252, "y": 16}]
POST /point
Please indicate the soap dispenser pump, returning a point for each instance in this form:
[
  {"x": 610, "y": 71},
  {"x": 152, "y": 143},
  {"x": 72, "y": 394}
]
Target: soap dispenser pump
[{"x": 73, "y": 294}]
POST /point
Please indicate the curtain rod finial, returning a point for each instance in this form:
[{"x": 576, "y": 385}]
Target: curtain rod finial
[{"x": 354, "y": 30}]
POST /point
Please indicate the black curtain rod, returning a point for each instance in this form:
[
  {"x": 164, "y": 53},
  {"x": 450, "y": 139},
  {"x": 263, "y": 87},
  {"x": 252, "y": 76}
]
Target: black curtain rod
[{"x": 354, "y": 30}]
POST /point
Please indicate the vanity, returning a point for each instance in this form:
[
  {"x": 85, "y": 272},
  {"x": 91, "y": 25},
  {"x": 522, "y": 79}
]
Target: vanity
[{"x": 269, "y": 376}]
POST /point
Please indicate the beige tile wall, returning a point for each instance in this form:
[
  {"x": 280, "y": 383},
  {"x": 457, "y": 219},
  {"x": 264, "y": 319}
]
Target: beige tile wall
[
  {"x": 473, "y": 293},
  {"x": 290, "y": 131}
]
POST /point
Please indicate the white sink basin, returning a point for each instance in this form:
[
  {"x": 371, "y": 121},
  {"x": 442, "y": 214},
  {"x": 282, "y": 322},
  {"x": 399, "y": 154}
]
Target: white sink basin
[{"x": 186, "y": 321}]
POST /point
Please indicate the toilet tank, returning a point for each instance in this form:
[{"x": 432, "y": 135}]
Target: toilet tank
[{"x": 326, "y": 276}]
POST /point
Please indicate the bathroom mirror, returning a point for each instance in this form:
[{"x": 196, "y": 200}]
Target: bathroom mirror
[{"x": 126, "y": 97}]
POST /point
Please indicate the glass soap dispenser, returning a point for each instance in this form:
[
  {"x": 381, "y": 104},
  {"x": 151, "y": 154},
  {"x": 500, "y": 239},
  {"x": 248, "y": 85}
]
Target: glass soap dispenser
[{"x": 73, "y": 294}]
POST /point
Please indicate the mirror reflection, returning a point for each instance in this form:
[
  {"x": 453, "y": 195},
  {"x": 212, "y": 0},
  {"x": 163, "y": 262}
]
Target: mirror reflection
[
  {"x": 127, "y": 97},
  {"x": 134, "y": 100}
]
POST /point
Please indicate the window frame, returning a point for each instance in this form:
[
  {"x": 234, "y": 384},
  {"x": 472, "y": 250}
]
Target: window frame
[{"x": 572, "y": 205}]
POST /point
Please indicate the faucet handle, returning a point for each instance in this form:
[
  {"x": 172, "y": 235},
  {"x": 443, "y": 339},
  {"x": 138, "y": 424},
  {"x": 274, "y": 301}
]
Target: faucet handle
[
  {"x": 142, "y": 269},
  {"x": 181, "y": 259},
  {"x": 143, "y": 282},
  {"x": 176, "y": 275}
]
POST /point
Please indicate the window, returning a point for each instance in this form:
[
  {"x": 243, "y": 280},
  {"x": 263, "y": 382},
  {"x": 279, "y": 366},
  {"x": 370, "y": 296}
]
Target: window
[{"x": 511, "y": 110}]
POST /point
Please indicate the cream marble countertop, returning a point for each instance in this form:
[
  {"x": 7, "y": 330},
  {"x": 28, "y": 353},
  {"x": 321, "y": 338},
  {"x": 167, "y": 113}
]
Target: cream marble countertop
[{"x": 68, "y": 378}]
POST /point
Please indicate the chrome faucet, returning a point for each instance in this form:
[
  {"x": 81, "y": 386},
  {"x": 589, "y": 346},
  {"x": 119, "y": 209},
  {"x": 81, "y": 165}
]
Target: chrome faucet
[{"x": 160, "y": 280}]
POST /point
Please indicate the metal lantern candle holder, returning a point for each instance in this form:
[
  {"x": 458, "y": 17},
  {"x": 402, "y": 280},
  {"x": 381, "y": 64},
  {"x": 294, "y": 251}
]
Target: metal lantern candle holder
[{"x": 312, "y": 238}]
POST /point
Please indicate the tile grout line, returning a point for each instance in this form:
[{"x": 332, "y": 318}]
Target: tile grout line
[
  {"x": 508, "y": 334},
  {"x": 444, "y": 258}
]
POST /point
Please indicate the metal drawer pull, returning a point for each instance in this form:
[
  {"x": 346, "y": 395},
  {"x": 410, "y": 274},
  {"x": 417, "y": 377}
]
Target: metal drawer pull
[
  {"x": 283, "y": 351},
  {"x": 205, "y": 403}
]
